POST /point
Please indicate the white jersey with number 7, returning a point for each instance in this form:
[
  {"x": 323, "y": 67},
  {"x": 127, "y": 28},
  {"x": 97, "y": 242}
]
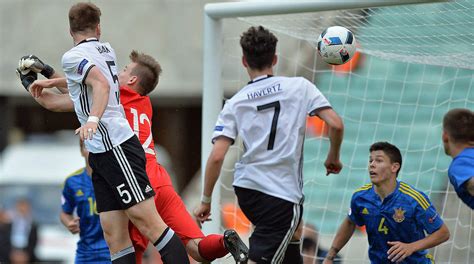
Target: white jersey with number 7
[{"x": 269, "y": 114}]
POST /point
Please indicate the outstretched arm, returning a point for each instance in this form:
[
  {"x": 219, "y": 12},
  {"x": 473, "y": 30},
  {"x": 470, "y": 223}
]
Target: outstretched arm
[
  {"x": 213, "y": 169},
  {"x": 55, "y": 102},
  {"x": 399, "y": 251},
  {"x": 36, "y": 88},
  {"x": 344, "y": 233},
  {"x": 336, "y": 133},
  {"x": 35, "y": 64}
]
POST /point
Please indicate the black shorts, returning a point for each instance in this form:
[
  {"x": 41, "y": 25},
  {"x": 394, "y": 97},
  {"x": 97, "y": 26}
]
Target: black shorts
[
  {"x": 275, "y": 221},
  {"x": 119, "y": 176}
]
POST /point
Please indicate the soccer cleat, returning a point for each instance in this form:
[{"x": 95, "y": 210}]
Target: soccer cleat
[{"x": 236, "y": 246}]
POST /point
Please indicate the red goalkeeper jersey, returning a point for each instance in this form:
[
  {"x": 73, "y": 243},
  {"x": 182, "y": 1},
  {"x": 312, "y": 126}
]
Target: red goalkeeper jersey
[{"x": 139, "y": 112}]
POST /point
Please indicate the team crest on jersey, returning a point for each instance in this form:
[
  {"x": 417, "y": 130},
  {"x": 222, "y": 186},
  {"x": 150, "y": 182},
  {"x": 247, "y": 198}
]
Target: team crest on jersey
[
  {"x": 399, "y": 215},
  {"x": 365, "y": 211},
  {"x": 81, "y": 66},
  {"x": 79, "y": 193}
]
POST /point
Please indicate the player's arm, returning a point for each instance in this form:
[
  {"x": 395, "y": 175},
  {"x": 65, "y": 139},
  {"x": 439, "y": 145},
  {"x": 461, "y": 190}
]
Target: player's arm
[
  {"x": 55, "y": 102},
  {"x": 212, "y": 172},
  {"x": 344, "y": 233},
  {"x": 335, "y": 133},
  {"x": 70, "y": 222},
  {"x": 100, "y": 98},
  {"x": 33, "y": 63},
  {"x": 67, "y": 205},
  {"x": 399, "y": 251},
  {"x": 36, "y": 88},
  {"x": 470, "y": 186}
]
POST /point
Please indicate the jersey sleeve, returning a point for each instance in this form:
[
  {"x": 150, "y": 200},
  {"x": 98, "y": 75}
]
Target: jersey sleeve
[
  {"x": 461, "y": 171},
  {"x": 316, "y": 100},
  {"x": 429, "y": 217},
  {"x": 67, "y": 199},
  {"x": 76, "y": 66},
  {"x": 354, "y": 213},
  {"x": 226, "y": 124}
]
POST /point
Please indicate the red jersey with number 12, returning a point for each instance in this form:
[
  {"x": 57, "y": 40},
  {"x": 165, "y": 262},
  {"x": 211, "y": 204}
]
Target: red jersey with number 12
[{"x": 139, "y": 112}]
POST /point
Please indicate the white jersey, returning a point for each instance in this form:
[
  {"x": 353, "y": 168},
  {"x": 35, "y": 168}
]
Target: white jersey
[
  {"x": 113, "y": 128},
  {"x": 269, "y": 114}
]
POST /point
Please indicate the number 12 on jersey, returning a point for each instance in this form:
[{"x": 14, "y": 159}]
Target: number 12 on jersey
[{"x": 273, "y": 128}]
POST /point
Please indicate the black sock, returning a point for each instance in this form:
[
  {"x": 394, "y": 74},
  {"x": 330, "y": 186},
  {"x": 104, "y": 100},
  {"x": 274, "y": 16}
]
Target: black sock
[
  {"x": 293, "y": 253},
  {"x": 124, "y": 256},
  {"x": 171, "y": 248}
]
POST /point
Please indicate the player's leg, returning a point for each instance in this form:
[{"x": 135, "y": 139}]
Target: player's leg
[
  {"x": 201, "y": 248},
  {"x": 275, "y": 221},
  {"x": 139, "y": 241},
  {"x": 124, "y": 167},
  {"x": 293, "y": 252},
  {"x": 114, "y": 223},
  {"x": 112, "y": 218}
]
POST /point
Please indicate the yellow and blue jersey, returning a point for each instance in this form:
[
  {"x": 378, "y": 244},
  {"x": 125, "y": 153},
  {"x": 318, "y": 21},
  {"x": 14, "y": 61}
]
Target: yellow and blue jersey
[
  {"x": 404, "y": 215},
  {"x": 460, "y": 171},
  {"x": 78, "y": 195}
]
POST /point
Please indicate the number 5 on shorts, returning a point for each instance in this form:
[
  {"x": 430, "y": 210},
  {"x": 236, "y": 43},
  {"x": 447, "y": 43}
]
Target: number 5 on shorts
[{"x": 124, "y": 192}]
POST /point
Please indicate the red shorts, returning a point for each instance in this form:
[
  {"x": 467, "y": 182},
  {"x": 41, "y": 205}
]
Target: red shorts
[{"x": 173, "y": 212}]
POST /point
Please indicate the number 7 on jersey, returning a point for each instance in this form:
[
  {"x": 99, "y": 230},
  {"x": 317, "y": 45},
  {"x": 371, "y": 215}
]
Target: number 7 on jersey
[{"x": 276, "y": 105}]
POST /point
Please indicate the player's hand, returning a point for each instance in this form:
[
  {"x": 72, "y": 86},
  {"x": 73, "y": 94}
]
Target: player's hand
[
  {"x": 37, "y": 87},
  {"x": 333, "y": 165},
  {"x": 32, "y": 62},
  {"x": 26, "y": 77},
  {"x": 73, "y": 226},
  {"x": 87, "y": 131},
  {"x": 203, "y": 212},
  {"x": 399, "y": 251}
]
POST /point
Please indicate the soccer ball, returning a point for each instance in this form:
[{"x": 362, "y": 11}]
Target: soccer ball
[{"x": 336, "y": 45}]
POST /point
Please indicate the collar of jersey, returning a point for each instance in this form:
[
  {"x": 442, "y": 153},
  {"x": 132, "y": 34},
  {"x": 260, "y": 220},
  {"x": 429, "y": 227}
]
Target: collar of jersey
[
  {"x": 465, "y": 152},
  {"x": 390, "y": 196},
  {"x": 259, "y": 78},
  {"x": 87, "y": 40}
]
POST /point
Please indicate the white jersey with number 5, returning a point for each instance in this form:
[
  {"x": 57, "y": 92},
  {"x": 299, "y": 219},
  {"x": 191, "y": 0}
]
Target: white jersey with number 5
[
  {"x": 113, "y": 128},
  {"x": 269, "y": 114}
]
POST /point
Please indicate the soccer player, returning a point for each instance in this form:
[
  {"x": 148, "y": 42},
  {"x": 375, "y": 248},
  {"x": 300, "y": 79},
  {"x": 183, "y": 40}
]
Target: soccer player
[
  {"x": 78, "y": 194},
  {"x": 139, "y": 78},
  {"x": 270, "y": 115},
  {"x": 395, "y": 214},
  {"x": 458, "y": 141},
  {"x": 121, "y": 186}
]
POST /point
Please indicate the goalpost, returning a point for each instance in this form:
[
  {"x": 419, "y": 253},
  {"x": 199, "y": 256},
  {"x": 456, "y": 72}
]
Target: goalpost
[{"x": 424, "y": 87}]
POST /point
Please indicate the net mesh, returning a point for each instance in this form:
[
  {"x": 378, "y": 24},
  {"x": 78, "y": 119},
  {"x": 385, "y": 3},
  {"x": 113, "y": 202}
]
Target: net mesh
[
  {"x": 413, "y": 67},
  {"x": 437, "y": 34}
]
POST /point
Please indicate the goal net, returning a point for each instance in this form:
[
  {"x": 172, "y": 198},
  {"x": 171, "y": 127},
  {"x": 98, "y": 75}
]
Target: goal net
[{"x": 414, "y": 64}]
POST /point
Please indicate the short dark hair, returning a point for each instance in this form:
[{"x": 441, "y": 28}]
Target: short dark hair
[
  {"x": 258, "y": 45},
  {"x": 459, "y": 124},
  {"x": 84, "y": 17},
  {"x": 147, "y": 69},
  {"x": 390, "y": 150}
]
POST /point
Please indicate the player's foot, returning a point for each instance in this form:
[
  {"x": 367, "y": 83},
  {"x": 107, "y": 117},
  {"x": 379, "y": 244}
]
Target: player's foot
[{"x": 236, "y": 246}]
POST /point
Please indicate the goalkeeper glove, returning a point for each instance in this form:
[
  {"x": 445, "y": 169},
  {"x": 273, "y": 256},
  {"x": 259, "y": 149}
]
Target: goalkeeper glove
[
  {"x": 26, "y": 78},
  {"x": 31, "y": 62}
]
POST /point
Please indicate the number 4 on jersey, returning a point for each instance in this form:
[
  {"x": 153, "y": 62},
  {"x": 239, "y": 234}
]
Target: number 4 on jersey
[{"x": 383, "y": 228}]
